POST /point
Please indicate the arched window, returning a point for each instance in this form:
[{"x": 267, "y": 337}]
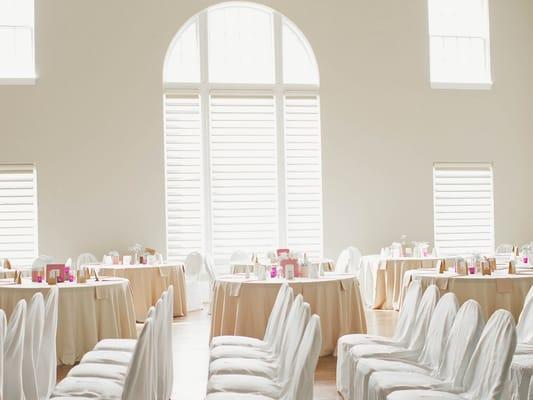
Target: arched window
[{"x": 242, "y": 135}]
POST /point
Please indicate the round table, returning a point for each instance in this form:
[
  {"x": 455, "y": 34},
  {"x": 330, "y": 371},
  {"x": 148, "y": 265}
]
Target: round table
[
  {"x": 492, "y": 292},
  {"x": 148, "y": 282},
  {"x": 242, "y": 306},
  {"x": 382, "y": 278},
  {"x": 87, "y": 312},
  {"x": 240, "y": 268}
]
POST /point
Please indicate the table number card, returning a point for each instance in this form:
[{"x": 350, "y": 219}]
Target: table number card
[{"x": 462, "y": 268}]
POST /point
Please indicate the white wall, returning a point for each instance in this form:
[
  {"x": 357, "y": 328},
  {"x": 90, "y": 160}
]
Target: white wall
[{"x": 93, "y": 122}]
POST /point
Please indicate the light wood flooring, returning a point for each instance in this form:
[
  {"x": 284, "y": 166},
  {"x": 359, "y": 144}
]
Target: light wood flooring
[{"x": 191, "y": 354}]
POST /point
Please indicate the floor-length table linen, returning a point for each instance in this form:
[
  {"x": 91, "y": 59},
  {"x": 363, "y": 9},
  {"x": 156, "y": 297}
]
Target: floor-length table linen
[
  {"x": 87, "y": 312},
  {"x": 492, "y": 292},
  {"x": 382, "y": 278},
  {"x": 148, "y": 282},
  {"x": 242, "y": 306}
]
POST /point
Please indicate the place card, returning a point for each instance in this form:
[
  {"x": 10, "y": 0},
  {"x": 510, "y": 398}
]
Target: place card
[{"x": 485, "y": 268}]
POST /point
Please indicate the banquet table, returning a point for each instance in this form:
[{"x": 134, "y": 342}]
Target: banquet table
[
  {"x": 382, "y": 278},
  {"x": 148, "y": 282},
  {"x": 240, "y": 268},
  {"x": 492, "y": 292},
  {"x": 87, "y": 312},
  {"x": 242, "y": 306}
]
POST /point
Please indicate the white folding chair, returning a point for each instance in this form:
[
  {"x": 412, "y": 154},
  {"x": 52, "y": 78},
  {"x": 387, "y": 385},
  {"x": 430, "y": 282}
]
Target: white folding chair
[
  {"x": 484, "y": 378},
  {"x": 14, "y": 352},
  {"x": 400, "y": 338},
  {"x": 47, "y": 360},
  {"x": 33, "y": 333},
  {"x": 414, "y": 347},
  {"x": 139, "y": 382},
  {"x": 301, "y": 382},
  {"x": 281, "y": 304},
  {"x": 193, "y": 267}
]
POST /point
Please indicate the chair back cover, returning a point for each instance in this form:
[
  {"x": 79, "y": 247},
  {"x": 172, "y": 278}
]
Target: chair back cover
[
  {"x": 47, "y": 360},
  {"x": 462, "y": 340},
  {"x": 193, "y": 264},
  {"x": 209, "y": 266},
  {"x": 3, "y": 327},
  {"x": 240, "y": 256},
  {"x": 86, "y": 259},
  {"x": 159, "y": 335},
  {"x": 487, "y": 370},
  {"x": 273, "y": 319},
  {"x": 169, "y": 353},
  {"x": 355, "y": 260},
  {"x": 423, "y": 317},
  {"x": 303, "y": 375},
  {"x": 524, "y": 328},
  {"x": 504, "y": 249},
  {"x": 291, "y": 342},
  {"x": 343, "y": 261},
  {"x": 407, "y": 317},
  {"x": 280, "y": 328},
  {"x": 42, "y": 261},
  {"x": 140, "y": 378},
  {"x": 33, "y": 333},
  {"x": 293, "y": 313},
  {"x": 68, "y": 263},
  {"x": 13, "y": 353},
  {"x": 438, "y": 331}
]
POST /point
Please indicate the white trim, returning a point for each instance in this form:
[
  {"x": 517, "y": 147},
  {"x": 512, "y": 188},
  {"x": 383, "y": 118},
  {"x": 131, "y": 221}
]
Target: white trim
[
  {"x": 18, "y": 81},
  {"x": 462, "y": 85}
]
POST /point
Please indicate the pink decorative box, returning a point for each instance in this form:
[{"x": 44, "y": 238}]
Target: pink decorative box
[
  {"x": 60, "y": 268},
  {"x": 280, "y": 252},
  {"x": 291, "y": 261}
]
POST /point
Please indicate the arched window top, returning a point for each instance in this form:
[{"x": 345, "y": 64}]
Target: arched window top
[{"x": 240, "y": 43}]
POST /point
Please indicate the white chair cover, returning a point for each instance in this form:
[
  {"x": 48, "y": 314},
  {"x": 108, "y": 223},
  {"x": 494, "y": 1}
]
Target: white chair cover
[
  {"x": 401, "y": 336},
  {"x": 138, "y": 384},
  {"x": 193, "y": 267},
  {"x": 530, "y": 393},
  {"x": 428, "y": 360},
  {"x": 268, "y": 338},
  {"x": 504, "y": 249},
  {"x": 240, "y": 256},
  {"x": 42, "y": 261},
  {"x": 47, "y": 361},
  {"x": 86, "y": 259},
  {"x": 487, "y": 370},
  {"x": 169, "y": 353},
  {"x": 278, "y": 369},
  {"x": 355, "y": 259},
  {"x": 231, "y": 351},
  {"x": 524, "y": 328},
  {"x": 343, "y": 261},
  {"x": 517, "y": 385},
  {"x": 33, "y": 333},
  {"x": 410, "y": 353},
  {"x": 13, "y": 353},
  {"x": 300, "y": 385}
]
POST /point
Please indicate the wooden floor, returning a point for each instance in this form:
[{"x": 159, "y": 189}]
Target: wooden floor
[{"x": 191, "y": 354}]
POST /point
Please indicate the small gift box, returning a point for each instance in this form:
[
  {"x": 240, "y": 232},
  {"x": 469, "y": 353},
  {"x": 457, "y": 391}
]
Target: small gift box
[
  {"x": 485, "y": 268},
  {"x": 512, "y": 267},
  {"x": 462, "y": 268},
  {"x": 295, "y": 266},
  {"x": 58, "y": 270}
]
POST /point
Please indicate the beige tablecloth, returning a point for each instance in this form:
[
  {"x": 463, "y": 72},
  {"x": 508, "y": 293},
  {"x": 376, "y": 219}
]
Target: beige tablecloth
[
  {"x": 382, "y": 279},
  {"x": 240, "y": 268},
  {"x": 88, "y": 312},
  {"x": 242, "y": 307},
  {"x": 148, "y": 282},
  {"x": 492, "y": 292}
]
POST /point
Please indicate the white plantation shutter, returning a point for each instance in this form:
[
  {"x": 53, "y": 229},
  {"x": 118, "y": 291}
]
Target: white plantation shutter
[
  {"x": 18, "y": 214},
  {"x": 463, "y": 208},
  {"x": 183, "y": 175},
  {"x": 244, "y": 207},
  {"x": 304, "y": 174}
]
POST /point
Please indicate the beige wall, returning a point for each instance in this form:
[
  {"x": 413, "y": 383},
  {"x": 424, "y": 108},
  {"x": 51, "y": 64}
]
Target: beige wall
[{"x": 93, "y": 121}]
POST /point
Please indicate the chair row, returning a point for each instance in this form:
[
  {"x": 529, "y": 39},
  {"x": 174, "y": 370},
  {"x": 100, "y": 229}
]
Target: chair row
[
  {"x": 127, "y": 369},
  {"x": 28, "y": 362},
  {"x": 280, "y": 366},
  {"x": 438, "y": 351}
]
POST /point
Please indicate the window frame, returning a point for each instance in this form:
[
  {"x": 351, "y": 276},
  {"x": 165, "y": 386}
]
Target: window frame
[
  {"x": 279, "y": 90},
  {"x": 489, "y": 166},
  {"x": 31, "y": 79},
  {"x": 485, "y": 84}
]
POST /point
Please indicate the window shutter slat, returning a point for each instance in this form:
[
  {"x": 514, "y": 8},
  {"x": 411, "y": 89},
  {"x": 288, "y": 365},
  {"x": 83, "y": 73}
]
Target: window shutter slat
[
  {"x": 303, "y": 174},
  {"x": 463, "y": 215},
  {"x": 18, "y": 214}
]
